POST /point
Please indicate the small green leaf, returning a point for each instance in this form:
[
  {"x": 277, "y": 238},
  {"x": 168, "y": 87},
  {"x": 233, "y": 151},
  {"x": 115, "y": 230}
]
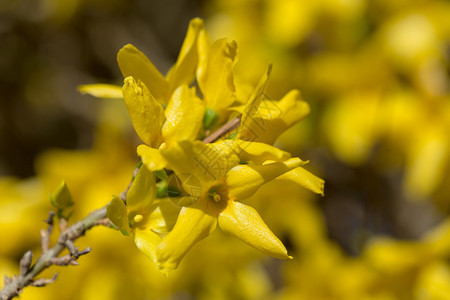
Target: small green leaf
[
  {"x": 117, "y": 214},
  {"x": 61, "y": 197},
  {"x": 210, "y": 118}
]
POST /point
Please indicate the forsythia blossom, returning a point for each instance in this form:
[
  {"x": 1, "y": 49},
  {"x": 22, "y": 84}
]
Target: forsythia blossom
[{"x": 186, "y": 187}]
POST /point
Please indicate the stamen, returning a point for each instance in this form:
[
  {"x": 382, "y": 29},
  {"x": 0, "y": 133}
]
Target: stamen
[{"x": 138, "y": 218}]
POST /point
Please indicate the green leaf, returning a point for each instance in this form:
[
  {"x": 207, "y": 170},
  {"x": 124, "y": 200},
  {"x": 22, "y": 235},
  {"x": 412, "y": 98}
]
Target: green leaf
[
  {"x": 61, "y": 197},
  {"x": 117, "y": 214}
]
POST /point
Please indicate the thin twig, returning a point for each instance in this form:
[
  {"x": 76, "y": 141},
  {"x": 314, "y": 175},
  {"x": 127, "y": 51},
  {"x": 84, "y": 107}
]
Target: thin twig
[
  {"x": 232, "y": 124},
  {"x": 50, "y": 256}
]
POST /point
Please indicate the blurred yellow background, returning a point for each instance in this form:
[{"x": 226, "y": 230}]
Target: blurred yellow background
[{"x": 376, "y": 74}]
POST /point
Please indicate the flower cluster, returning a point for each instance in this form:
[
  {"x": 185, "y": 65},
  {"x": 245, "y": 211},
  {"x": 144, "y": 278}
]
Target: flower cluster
[{"x": 207, "y": 146}]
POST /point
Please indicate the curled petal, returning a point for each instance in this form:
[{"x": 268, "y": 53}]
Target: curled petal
[
  {"x": 133, "y": 62},
  {"x": 244, "y": 180},
  {"x": 142, "y": 192},
  {"x": 193, "y": 224},
  {"x": 102, "y": 90},
  {"x": 245, "y": 223},
  {"x": 117, "y": 214},
  {"x": 184, "y": 115},
  {"x": 146, "y": 113},
  {"x": 147, "y": 241},
  {"x": 305, "y": 179},
  {"x": 183, "y": 72}
]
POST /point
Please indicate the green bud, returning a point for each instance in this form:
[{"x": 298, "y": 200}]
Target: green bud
[
  {"x": 210, "y": 118},
  {"x": 61, "y": 198}
]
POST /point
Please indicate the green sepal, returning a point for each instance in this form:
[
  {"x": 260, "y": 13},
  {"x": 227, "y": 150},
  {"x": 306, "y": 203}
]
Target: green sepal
[
  {"x": 117, "y": 214},
  {"x": 61, "y": 197},
  {"x": 210, "y": 118}
]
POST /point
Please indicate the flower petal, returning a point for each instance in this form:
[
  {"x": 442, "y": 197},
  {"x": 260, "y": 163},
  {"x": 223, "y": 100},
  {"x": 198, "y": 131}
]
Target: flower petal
[
  {"x": 146, "y": 113},
  {"x": 184, "y": 115},
  {"x": 274, "y": 117},
  {"x": 133, "y": 62},
  {"x": 142, "y": 193},
  {"x": 259, "y": 152},
  {"x": 193, "y": 224},
  {"x": 117, "y": 214},
  {"x": 305, "y": 179},
  {"x": 245, "y": 223},
  {"x": 147, "y": 241},
  {"x": 244, "y": 180},
  {"x": 151, "y": 158},
  {"x": 216, "y": 77},
  {"x": 183, "y": 72},
  {"x": 101, "y": 90}
]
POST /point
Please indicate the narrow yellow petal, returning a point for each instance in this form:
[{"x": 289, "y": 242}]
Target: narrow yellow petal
[
  {"x": 117, "y": 214},
  {"x": 274, "y": 117},
  {"x": 305, "y": 179},
  {"x": 147, "y": 241},
  {"x": 216, "y": 77},
  {"x": 244, "y": 180},
  {"x": 183, "y": 72},
  {"x": 146, "y": 113},
  {"x": 133, "y": 62},
  {"x": 151, "y": 158},
  {"x": 251, "y": 107},
  {"x": 193, "y": 224},
  {"x": 259, "y": 152},
  {"x": 101, "y": 90},
  {"x": 184, "y": 115},
  {"x": 142, "y": 192},
  {"x": 245, "y": 223}
]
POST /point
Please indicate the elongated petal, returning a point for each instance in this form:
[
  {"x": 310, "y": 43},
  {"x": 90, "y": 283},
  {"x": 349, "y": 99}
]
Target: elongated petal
[
  {"x": 183, "y": 72},
  {"x": 102, "y": 90},
  {"x": 305, "y": 179},
  {"x": 274, "y": 117},
  {"x": 244, "y": 180},
  {"x": 117, "y": 214},
  {"x": 142, "y": 192},
  {"x": 147, "y": 241},
  {"x": 193, "y": 224},
  {"x": 184, "y": 115},
  {"x": 133, "y": 62},
  {"x": 245, "y": 223},
  {"x": 259, "y": 152},
  {"x": 151, "y": 158},
  {"x": 252, "y": 105},
  {"x": 163, "y": 217},
  {"x": 216, "y": 78},
  {"x": 146, "y": 113}
]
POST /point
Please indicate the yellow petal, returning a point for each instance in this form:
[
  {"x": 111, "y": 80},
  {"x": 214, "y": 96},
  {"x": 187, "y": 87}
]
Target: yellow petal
[
  {"x": 251, "y": 107},
  {"x": 133, "y": 62},
  {"x": 183, "y": 72},
  {"x": 244, "y": 180},
  {"x": 184, "y": 115},
  {"x": 101, "y": 90},
  {"x": 216, "y": 78},
  {"x": 151, "y": 158},
  {"x": 163, "y": 217},
  {"x": 274, "y": 117},
  {"x": 117, "y": 214},
  {"x": 193, "y": 224},
  {"x": 305, "y": 179},
  {"x": 196, "y": 161},
  {"x": 147, "y": 241},
  {"x": 259, "y": 152},
  {"x": 142, "y": 193},
  {"x": 245, "y": 223},
  {"x": 146, "y": 113}
]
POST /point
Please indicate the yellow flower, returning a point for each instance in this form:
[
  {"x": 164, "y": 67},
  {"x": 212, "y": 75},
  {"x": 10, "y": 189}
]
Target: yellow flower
[{"x": 221, "y": 182}]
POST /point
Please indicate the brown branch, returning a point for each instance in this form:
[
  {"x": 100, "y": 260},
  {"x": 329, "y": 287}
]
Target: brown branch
[
  {"x": 232, "y": 124},
  {"x": 50, "y": 256}
]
